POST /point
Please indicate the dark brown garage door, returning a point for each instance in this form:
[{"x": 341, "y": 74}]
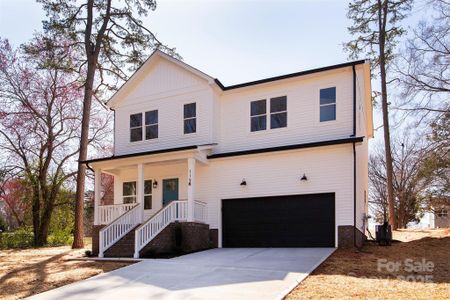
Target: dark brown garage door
[{"x": 279, "y": 221}]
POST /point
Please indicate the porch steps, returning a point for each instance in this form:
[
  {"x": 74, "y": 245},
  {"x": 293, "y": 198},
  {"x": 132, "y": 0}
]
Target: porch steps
[{"x": 123, "y": 247}]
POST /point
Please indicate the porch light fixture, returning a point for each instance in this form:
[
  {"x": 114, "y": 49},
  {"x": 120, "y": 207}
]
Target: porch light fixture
[
  {"x": 155, "y": 184},
  {"x": 304, "y": 178},
  {"x": 243, "y": 182}
]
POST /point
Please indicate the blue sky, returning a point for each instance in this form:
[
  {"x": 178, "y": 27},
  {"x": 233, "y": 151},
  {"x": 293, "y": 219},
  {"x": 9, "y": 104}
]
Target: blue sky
[{"x": 234, "y": 41}]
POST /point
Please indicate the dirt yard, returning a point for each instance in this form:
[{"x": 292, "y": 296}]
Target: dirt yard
[
  {"x": 32, "y": 271},
  {"x": 347, "y": 274},
  {"x": 350, "y": 274}
]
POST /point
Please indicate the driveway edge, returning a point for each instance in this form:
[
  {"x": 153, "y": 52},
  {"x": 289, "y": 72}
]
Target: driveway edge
[{"x": 294, "y": 285}]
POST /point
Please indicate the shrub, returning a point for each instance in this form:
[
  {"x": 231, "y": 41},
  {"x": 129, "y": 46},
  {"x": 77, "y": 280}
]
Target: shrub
[
  {"x": 60, "y": 237},
  {"x": 22, "y": 237}
]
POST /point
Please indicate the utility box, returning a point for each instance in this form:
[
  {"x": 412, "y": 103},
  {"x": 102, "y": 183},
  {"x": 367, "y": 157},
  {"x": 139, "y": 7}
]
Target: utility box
[{"x": 383, "y": 234}]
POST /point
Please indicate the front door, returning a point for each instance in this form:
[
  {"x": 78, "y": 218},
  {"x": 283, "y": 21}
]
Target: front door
[{"x": 170, "y": 190}]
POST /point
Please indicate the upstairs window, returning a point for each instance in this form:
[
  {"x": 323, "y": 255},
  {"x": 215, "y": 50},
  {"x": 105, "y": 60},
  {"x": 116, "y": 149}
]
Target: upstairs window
[
  {"x": 328, "y": 104},
  {"x": 258, "y": 115},
  {"x": 151, "y": 125},
  {"x": 190, "y": 118},
  {"x": 129, "y": 192},
  {"x": 278, "y": 112},
  {"x": 136, "y": 127}
]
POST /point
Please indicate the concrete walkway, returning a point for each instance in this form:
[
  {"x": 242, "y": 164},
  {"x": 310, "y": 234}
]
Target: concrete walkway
[{"x": 266, "y": 273}]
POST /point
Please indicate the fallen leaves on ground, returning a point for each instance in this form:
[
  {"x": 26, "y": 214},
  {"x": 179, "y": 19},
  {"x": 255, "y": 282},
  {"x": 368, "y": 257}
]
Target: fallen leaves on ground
[
  {"x": 350, "y": 274},
  {"x": 31, "y": 271}
]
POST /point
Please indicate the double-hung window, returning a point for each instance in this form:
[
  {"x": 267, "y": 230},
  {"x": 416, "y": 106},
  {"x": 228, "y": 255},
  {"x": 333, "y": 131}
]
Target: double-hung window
[
  {"x": 151, "y": 125},
  {"x": 328, "y": 104},
  {"x": 278, "y": 112},
  {"x": 258, "y": 115},
  {"x": 136, "y": 127},
  {"x": 147, "y": 194},
  {"x": 129, "y": 193},
  {"x": 190, "y": 118}
]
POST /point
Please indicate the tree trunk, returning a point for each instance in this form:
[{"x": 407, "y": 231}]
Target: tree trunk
[
  {"x": 79, "y": 205},
  {"x": 45, "y": 222},
  {"x": 36, "y": 216},
  {"x": 382, "y": 17}
]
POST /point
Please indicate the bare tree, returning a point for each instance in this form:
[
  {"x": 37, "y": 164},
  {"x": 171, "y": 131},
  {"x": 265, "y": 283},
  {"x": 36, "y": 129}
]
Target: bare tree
[
  {"x": 411, "y": 184},
  {"x": 436, "y": 165},
  {"x": 39, "y": 127},
  {"x": 114, "y": 42},
  {"x": 424, "y": 67},
  {"x": 376, "y": 27}
]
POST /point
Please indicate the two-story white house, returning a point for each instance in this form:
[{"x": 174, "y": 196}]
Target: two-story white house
[{"x": 278, "y": 162}]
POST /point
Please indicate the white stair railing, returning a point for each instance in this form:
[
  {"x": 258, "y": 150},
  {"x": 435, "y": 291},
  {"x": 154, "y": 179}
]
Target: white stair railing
[
  {"x": 175, "y": 211},
  {"x": 113, "y": 232},
  {"x": 200, "y": 211},
  {"x": 108, "y": 213}
]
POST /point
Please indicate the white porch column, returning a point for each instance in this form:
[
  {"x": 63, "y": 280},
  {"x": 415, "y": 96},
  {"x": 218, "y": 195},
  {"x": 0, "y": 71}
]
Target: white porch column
[
  {"x": 97, "y": 195},
  {"x": 191, "y": 189},
  {"x": 140, "y": 190}
]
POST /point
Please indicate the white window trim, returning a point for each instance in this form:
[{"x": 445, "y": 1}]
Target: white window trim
[
  {"x": 144, "y": 130},
  {"x": 129, "y": 196},
  {"x": 151, "y": 183},
  {"x": 135, "y": 195},
  {"x": 131, "y": 128},
  {"x": 317, "y": 105},
  {"x": 190, "y": 118},
  {"x": 268, "y": 114},
  {"x": 278, "y": 112},
  {"x": 260, "y": 115},
  {"x": 328, "y": 104}
]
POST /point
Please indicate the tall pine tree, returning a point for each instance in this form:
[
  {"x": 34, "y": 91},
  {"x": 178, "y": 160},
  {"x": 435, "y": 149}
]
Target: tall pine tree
[
  {"x": 376, "y": 29},
  {"x": 114, "y": 42}
]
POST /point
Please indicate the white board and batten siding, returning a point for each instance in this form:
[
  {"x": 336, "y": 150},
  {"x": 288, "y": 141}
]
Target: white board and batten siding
[{"x": 166, "y": 88}]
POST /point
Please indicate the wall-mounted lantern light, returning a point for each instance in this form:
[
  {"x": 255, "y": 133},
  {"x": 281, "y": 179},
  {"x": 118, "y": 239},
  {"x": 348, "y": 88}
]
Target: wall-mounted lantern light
[
  {"x": 243, "y": 182},
  {"x": 155, "y": 184},
  {"x": 304, "y": 178}
]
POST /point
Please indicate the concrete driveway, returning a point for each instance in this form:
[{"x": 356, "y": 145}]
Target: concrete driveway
[{"x": 259, "y": 273}]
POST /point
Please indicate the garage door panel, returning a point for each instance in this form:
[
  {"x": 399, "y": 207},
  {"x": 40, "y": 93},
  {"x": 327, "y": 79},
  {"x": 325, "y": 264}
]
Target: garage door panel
[{"x": 279, "y": 221}]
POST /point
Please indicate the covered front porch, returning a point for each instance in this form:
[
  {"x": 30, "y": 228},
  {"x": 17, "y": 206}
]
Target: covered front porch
[{"x": 150, "y": 192}]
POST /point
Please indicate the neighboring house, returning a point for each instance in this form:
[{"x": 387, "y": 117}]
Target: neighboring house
[
  {"x": 442, "y": 217},
  {"x": 278, "y": 162}
]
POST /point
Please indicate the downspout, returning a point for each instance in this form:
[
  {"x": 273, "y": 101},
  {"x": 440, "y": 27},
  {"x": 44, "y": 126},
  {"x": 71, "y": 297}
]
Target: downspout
[{"x": 354, "y": 156}]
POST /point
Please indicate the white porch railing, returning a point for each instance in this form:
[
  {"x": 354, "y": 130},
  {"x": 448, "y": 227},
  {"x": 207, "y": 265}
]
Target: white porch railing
[
  {"x": 108, "y": 213},
  {"x": 200, "y": 211},
  {"x": 113, "y": 232},
  {"x": 175, "y": 211}
]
